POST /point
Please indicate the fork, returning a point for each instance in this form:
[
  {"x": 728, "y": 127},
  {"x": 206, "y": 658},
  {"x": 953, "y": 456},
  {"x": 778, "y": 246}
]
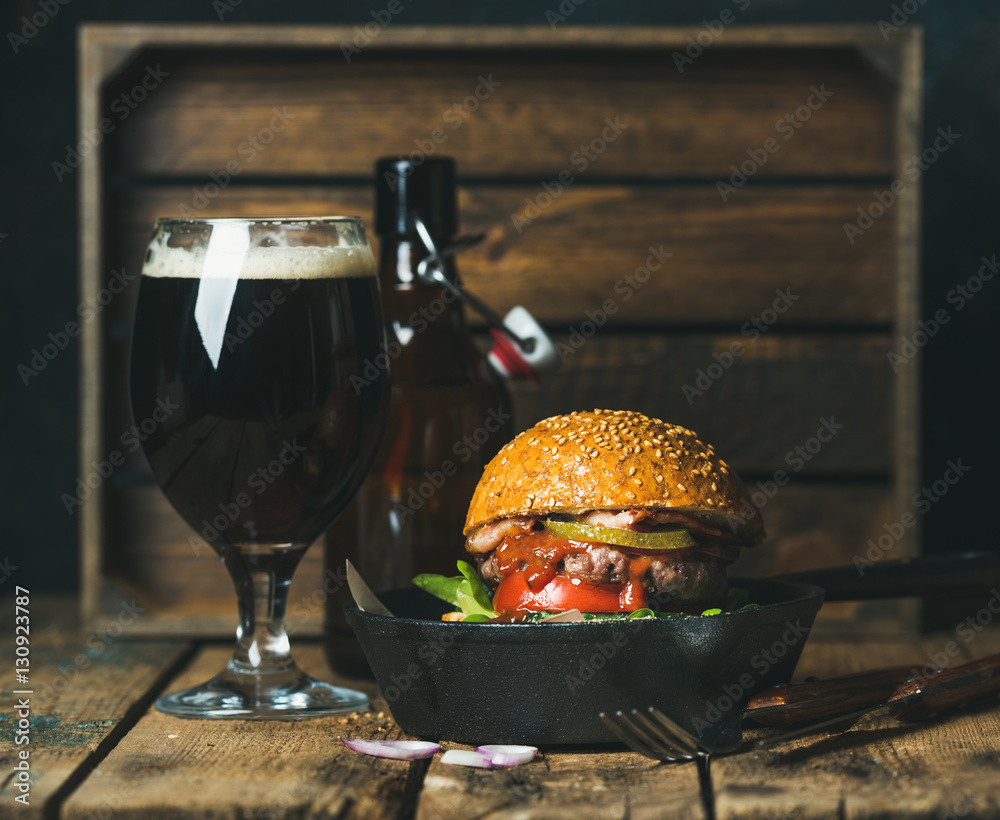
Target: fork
[{"x": 652, "y": 734}]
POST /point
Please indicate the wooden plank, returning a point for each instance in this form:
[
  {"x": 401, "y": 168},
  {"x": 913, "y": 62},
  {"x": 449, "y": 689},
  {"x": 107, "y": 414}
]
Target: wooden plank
[
  {"x": 879, "y": 768},
  {"x": 169, "y": 767},
  {"x": 93, "y": 68},
  {"x": 86, "y": 692},
  {"x": 119, "y": 38},
  {"x": 906, "y": 419},
  {"x": 756, "y": 407},
  {"x": 563, "y": 786},
  {"x": 590, "y": 247},
  {"x": 534, "y": 110}
]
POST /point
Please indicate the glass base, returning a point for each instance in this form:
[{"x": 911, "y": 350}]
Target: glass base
[{"x": 306, "y": 698}]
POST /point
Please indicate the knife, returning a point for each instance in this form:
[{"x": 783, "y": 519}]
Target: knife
[
  {"x": 918, "y": 698},
  {"x": 815, "y": 700},
  {"x": 363, "y": 596}
]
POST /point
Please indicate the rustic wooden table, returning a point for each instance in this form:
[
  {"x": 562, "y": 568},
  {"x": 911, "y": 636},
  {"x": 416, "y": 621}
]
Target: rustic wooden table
[{"x": 99, "y": 750}]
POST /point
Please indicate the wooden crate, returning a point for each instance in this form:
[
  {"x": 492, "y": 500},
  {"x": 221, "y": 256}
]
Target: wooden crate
[{"x": 254, "y": 119}]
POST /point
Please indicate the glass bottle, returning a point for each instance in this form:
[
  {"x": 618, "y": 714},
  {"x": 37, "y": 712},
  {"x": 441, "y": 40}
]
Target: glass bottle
[{"x": 449, "y": 414}]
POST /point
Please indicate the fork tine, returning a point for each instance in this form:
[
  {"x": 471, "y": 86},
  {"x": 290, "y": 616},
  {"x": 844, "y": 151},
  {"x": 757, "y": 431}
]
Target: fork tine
[
  {"x": 670, "y": 734},
  {"x": 633, "y": 743},
  {"x": 634, "y": 740},
  {"x": 684, "y": 738},
  {"x": 645, "y": 738}
]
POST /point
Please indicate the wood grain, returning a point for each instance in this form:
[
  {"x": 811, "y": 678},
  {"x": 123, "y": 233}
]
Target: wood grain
[
  {"x": 538, "y": 107},
  {"x": 906, "y": 415},
  {"x": 86, "y": 691},
  {"x": 169, "y": 767},
  {"x": 757, "y": 401},
  {"x": 563, "y": 786},
  {"x": 591, "y": 245},
  {"x": 879, "y": 768},
  {"x": 117, "y": 39}
]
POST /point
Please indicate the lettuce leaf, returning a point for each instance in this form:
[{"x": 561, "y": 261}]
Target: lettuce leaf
[{"x": 466, "y": 592}]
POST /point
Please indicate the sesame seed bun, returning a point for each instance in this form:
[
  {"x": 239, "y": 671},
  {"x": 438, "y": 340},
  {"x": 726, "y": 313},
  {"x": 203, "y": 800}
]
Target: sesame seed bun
[{"x": 613, "y": 460}]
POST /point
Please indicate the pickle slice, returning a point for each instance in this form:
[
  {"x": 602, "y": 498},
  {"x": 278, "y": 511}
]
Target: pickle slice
[{"x": 674, "y": 539}]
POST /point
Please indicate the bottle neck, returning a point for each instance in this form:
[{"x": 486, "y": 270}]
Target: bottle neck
[
  {"x": 400, "y": 255},
  {"x": 425, "y": 324}
]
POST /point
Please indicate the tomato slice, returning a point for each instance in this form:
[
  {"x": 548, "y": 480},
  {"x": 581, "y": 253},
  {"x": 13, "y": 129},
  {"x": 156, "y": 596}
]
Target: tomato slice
[{"x": 562, "y": 593}]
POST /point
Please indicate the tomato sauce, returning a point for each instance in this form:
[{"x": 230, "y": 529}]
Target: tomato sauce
[{"x": 537, "y": 557}]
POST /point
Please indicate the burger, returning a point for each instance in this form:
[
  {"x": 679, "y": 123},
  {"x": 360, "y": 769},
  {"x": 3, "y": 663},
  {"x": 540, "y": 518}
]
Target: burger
[{"x": 608, "y": 512}]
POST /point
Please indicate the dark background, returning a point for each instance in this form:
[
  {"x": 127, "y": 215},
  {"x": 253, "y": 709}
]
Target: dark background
[{"x": 38, "y": 235}]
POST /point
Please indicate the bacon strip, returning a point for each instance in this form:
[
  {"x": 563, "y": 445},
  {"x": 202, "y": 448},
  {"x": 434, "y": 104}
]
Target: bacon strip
[
  {"x": 620, "y": 519},
  {"x": 693, "y": 525},
  {"x": 646, "y": 519},
  {"x": 487, "y": 537}
]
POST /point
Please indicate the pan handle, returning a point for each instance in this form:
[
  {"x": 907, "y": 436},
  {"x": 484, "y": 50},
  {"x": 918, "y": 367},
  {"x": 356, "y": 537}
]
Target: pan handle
[{"x": 962, "y": 575}]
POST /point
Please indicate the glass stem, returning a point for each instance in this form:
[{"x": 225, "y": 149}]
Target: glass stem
[{"x": 262, "y": 661}]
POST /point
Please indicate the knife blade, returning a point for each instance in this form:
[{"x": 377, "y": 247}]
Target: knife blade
[{"x": 363, "y": 596}]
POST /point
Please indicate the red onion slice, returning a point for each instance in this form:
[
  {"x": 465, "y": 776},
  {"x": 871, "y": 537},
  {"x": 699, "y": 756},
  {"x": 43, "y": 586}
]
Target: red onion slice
[
  {"x": 461, "y": 757},
  {"x": 394, "y": 749},
  {"x": 501, "y": 755}
]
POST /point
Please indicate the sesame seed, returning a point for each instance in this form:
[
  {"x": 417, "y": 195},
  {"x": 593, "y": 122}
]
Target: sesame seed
[
  {"x": 682, "y": 488},
  {"x": 545, "y": 449},
  {"x": 659, "y": 479},
  {"x": 631, "y": 470},
  {"x": 578, "y": 458},
  {"x": 629, "y": 494},
  {"x": 555, "y": 450},
  {"x": 673, "y": 455},
  {"x": 552, "y": 502},
  {"x": 529, "y": 502},
  {"x": 713, "y": 486},
  {"x": 659, "y": 453},
  {"x": 638, "y": 482}
]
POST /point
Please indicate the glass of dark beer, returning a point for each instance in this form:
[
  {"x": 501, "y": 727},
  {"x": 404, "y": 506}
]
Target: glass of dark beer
[{"x": 255, "y": 335}]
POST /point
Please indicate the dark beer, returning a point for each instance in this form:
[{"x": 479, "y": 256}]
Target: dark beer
[{"x": 264, "y": 429}]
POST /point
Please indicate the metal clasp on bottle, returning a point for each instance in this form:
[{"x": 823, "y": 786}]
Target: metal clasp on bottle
[{"x": 521, "y": 348}]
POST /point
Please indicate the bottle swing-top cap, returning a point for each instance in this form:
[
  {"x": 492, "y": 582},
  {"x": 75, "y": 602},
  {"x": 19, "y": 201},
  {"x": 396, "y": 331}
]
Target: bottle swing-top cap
[{"x": 419, "y": 198}]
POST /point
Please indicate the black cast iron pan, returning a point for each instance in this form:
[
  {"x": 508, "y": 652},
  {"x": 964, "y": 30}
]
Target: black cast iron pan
[{"x": 545, "y": 684}]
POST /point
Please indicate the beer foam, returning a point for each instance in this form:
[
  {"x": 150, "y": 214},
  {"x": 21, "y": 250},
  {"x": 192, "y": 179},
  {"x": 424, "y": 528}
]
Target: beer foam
[{"x": 262, "y": 262}]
